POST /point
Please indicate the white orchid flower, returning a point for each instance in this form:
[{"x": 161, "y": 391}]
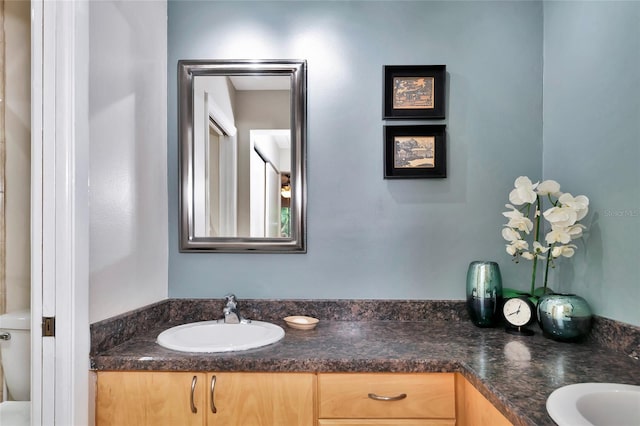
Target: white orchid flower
[
  {"x": 510, "y": 235},
  {"x": 561, "y": 217},
  {"x": 566, "y": 251},
  {"x": 558, "y": 235},
  {"x": 575, "y": 231},
  {"x": 549, "y": 187},
  {"x": 517, "y": 220},
  {"x": 580, "y": 204},
  {"x": 523, "y": 191},
  {"x": 516, "y": 246},
  {"x": 527, "y": 255},
  {"x": 539, "y": 248}
]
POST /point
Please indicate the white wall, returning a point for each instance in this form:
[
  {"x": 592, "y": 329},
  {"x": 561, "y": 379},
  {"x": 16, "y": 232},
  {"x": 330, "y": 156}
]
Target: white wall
[
  {"x": 128, "y": 157},
  {"x": 18, "y": 150}
]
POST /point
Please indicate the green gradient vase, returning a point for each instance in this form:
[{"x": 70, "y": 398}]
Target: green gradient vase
[
  {"x": 564, "y": 317},
  {"x": 484, "y": 293}
]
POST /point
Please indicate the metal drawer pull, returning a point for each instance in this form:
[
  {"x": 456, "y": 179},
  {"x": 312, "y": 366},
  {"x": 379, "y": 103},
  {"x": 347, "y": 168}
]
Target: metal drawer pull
[
  {"x": 213, "y": 385},
  {"x": 194, "y": 409},
  {"x": 387, "y": 398}
]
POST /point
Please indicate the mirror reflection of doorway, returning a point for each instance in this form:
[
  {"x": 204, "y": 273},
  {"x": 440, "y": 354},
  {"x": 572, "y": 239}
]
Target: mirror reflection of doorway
[
  {"x": 285, "y": 205},
  {"x": 212, "y": 182},
  {"x": 212, "y": 204},
  {"x": 265, "y": 196},
  {"x": 215, "y": 173},
  {"x": 270, "y": 160}
]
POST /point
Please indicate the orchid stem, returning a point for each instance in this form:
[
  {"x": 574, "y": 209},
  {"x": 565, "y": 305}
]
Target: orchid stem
[
  {"x": 536, "y": 237},
  {"x": 546, "y": 271},
  {"x": 533, "y": 275}
]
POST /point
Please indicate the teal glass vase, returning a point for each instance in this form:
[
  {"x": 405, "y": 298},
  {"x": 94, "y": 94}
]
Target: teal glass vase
[
  {"x": 484, "y": 293},
  {"x": 564, "y": 317}
]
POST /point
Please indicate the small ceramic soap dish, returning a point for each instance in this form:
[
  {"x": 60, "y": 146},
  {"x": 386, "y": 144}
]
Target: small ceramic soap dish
[{"x": 301, "y": 322}]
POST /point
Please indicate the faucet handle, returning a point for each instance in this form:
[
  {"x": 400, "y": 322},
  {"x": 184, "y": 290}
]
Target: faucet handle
[{"x": 230, "y": 300}]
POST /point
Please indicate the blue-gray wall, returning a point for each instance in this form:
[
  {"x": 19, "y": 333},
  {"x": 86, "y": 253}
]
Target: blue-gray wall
[
  {"x": 591, "y": 144},
  {"x": 369, "y": 237}
]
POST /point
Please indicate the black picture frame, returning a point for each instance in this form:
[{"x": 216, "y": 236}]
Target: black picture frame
[
  {"x": 416, "y": 151},
  {"x": 414, "y": 91}
]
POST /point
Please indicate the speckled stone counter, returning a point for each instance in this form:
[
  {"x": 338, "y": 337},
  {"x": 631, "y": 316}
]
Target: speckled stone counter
[{"x": 515, "y": 373}]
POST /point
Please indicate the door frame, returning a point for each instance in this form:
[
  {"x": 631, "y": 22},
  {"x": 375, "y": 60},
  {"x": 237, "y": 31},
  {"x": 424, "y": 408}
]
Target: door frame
[{"x": 60, "y": 385}]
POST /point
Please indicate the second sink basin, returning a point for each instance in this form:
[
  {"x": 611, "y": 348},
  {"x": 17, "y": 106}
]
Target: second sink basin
[
  {"x": 595, "y": 404},
  {"x": 214, "y": 336}
]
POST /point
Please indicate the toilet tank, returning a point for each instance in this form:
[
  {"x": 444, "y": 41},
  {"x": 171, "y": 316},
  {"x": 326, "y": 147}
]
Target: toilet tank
[{"x": 16, "y": 353}]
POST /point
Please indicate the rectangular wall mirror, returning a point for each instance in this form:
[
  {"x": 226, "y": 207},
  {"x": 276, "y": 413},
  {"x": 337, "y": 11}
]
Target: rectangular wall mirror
[{"x": 242, "y": 138}]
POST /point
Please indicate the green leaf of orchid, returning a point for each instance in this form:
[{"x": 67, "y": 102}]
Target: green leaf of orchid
[
  {"x": 540, "y": 291},
  {"x": 508, "y": 293}
]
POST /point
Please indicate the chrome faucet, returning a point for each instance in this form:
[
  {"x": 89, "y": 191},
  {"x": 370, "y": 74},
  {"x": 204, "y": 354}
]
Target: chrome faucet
[{"x": 231, "y": 314}]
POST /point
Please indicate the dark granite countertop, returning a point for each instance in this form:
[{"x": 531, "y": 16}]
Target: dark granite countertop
[{"x": 515, "y": 373}]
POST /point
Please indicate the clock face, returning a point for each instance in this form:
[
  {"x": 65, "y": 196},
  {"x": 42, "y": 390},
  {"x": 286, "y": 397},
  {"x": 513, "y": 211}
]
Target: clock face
[{"x": 517, "y": 312}]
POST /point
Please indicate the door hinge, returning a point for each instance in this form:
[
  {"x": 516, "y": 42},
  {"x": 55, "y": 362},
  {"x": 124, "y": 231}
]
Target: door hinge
[{"x": 48, "y": 326}]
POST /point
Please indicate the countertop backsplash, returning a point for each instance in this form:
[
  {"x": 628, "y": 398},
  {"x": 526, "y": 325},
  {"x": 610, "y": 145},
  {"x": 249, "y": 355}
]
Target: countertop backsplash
[{"x": 617, "y": 336}]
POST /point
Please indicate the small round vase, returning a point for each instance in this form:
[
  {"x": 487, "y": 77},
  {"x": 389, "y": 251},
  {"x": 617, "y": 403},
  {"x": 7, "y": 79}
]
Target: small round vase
[
  {"x": 484, "y": 293},
  {"x": 564, "y": 317}
]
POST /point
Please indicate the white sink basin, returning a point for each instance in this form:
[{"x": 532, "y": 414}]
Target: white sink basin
[
  {"x": 595, "y": 404},
  {"x": 214, "y": 336}
]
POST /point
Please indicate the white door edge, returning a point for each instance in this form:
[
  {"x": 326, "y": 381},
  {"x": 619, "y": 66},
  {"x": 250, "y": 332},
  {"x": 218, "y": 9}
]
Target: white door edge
[
  {"x": 37, "y": 378},
  {"x": 60, "y": 212}
]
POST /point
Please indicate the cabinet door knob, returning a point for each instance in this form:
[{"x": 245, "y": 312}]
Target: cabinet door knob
[
  {"x": 211, "y": 400},
  {"x": 387, "y": 398},
  {"x": 194, "y": 381}
]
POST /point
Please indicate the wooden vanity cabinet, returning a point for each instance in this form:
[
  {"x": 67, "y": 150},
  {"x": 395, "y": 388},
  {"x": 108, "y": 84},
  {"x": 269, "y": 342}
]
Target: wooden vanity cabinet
[
  {"x": 170, "y": 398},
  {"x": 140, "y": 398},
  {"x": 392, "y": 399},
  {"x": 473, "y": 409},
  {"x": 135, "y": 398},
  {"x": 263, "y": 399}
]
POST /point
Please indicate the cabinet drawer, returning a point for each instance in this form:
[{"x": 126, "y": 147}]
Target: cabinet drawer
[
  {"x": 387, "y": 422},
  {"x": 428, "y": 395}
]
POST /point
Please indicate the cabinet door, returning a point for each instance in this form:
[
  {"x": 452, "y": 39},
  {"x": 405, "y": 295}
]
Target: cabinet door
[
  {"x": 474, "y": 409},
  {"x": 261, "y": 399},
  {"x": 140, "y": 398},
  {"x": 387, "y": 422}
]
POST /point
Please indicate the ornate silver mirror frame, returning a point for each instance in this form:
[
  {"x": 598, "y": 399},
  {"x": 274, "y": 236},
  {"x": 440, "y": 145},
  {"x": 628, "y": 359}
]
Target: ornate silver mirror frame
[{"x": 191, "y": 240}]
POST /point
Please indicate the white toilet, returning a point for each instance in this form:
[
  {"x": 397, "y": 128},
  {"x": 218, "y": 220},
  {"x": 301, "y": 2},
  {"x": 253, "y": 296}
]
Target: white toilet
[{"x": 15, "y": 352}]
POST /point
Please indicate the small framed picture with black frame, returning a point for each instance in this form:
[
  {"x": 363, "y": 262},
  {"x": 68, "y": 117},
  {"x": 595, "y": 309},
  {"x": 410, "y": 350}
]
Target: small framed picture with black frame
[
  {"x": 413, "y": 152},
  {"x": 414, "y": 91}
]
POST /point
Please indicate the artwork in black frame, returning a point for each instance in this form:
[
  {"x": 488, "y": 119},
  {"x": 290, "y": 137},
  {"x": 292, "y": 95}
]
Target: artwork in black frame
[
  {"x": 414, "y": 91},
  {"x": 412, "y": 152}
]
